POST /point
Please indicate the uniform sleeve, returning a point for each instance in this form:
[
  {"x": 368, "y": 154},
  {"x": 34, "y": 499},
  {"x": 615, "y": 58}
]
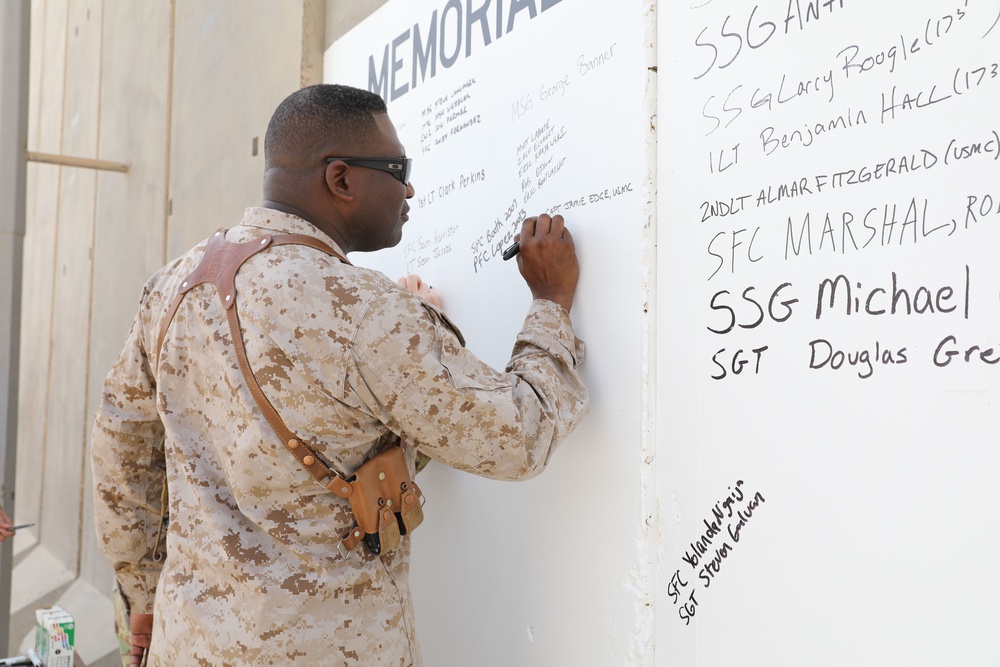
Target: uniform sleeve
[
  {"x": 415, "y": 373},
  {"x": 129, "y": 473}
]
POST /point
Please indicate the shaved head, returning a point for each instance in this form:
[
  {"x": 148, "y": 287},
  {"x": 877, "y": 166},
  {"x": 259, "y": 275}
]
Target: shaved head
[
  {"x": 321, "y": 121},
  {"x": 359, "y": 207}
]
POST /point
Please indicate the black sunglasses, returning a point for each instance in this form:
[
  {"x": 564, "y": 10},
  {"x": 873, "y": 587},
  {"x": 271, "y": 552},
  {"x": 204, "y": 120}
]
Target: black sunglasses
[{"x": 399, "y": 167}]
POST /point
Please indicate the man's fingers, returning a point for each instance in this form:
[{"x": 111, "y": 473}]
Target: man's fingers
[
  {"x": 538, "y": 227},
  {"x": 141, "y": 625},
  {"x": 547, "y": 260},
  {"x": 431, "y": 296},
  {"x": 411, "y": 282},
  {"x": 568, "y": 238},
  {"x": 141, "y": 635},
  {"x": 558, "y": 226},
  {"x": 543, "y": 225},
  {"x": 414, "y": 283},
  {"x": 528, "y": 228},
  {"x": 136, "y": 654}
]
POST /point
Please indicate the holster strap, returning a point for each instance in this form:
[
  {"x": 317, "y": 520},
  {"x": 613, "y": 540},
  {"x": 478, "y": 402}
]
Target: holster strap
[
  {"x": 219, "y": 266},
  {"x": 350, "y": 540}
]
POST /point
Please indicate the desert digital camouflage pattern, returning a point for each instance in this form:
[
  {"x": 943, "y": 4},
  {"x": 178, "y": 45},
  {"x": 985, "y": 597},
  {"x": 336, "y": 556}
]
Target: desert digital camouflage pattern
[
  {"x": 122, "y": 626},
  {"x": 353, "y": 363}
]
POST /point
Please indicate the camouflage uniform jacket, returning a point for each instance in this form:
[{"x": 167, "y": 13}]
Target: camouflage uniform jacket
[{"x": 349, "y": 359}]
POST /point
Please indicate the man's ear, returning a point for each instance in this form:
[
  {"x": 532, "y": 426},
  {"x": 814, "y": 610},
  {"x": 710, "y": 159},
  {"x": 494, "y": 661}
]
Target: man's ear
[{"x": 339, "y": 181}]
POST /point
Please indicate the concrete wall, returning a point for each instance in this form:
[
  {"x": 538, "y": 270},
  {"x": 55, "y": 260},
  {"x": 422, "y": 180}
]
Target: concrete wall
[
  {"x": 181, "y": 91},
  {"x": 342, "y": 15}
]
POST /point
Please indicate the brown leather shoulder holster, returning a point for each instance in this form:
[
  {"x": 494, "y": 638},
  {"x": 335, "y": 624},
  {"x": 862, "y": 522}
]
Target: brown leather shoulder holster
[{"x": 385, "y": 502}]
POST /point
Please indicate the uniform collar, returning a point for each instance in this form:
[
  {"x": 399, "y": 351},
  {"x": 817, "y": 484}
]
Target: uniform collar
[{"x": 278, "y": 222}]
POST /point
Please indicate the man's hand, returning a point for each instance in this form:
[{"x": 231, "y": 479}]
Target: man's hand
[
  {"x": 141, "y": 627},
  {"x": 413, "y": 283},
  {"x": 5, "y": 524},
  {"x": 547, "y": 259}
]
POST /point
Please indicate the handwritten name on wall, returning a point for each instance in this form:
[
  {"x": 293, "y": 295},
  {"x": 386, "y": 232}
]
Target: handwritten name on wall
[
  {"x": 546, "y": 150},
  {"x": 707, "y": 555},
  {"x": 830, "y": 168}
]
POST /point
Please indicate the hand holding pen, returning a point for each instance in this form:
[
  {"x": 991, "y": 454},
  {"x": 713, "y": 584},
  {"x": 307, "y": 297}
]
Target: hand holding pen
[
  {"x": 141, "y": 635},
  {"x": 7, "y": 527},
  {"x": 546, "y": 257}
]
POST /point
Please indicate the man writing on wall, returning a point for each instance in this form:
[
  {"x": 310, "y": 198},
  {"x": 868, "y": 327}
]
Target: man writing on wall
[{"x": 354, "y": 364}]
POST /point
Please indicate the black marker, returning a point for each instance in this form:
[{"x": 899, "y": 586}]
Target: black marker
[{"x": 511, "y": 251}]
